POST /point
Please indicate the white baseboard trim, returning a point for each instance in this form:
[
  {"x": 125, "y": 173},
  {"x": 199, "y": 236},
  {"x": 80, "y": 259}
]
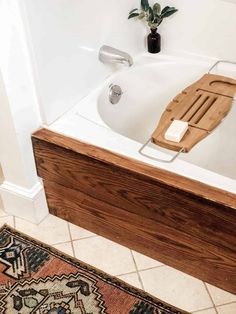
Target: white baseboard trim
[{"x": 29, "y": 204}]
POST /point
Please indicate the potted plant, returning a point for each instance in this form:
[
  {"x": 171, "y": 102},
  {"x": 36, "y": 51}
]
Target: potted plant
[{"x": 153, "y": 16}]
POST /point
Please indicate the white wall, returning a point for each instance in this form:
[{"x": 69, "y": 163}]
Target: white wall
[
  {"x": 21, "y": 191},
  {"x": 205, "y": 27},
  {"x": 66, "y": 36}
]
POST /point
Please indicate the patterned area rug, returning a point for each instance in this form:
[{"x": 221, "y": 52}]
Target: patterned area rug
[{"x": 35, "y": 278}]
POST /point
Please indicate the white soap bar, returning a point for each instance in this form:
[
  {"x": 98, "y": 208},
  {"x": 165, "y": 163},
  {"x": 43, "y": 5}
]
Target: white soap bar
[{"x": 176, "y": 131}]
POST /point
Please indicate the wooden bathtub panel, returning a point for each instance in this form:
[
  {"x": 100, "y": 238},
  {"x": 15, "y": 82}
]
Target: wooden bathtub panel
[
  {"x": 138, "y": 194},
  {"x": 124, "y": 162},
  {"x": 176, "y": 227},
  {"x": 168, "y": 245}
]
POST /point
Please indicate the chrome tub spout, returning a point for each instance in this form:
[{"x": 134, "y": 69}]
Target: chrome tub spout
[{"x": 109, "y": 54}]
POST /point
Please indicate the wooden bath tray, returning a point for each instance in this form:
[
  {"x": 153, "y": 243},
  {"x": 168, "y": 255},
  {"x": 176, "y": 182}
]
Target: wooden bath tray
[{"x": 203, "y": 105}]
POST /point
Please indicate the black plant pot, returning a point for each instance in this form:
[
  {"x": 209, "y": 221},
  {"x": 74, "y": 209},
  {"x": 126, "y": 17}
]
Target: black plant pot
[{"x": 154, "y": 41}]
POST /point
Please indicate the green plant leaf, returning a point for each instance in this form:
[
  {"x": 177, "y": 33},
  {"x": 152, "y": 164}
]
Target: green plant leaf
[
  {"x": 150, "y": 14},
  {"x": 165, "y": 9},
  {"x": 145, "y": 5},
  {"x": 133, "y": 15},
  {"x": 168, "y": 12},
  {"x": 132, "y": 11},
  {"x": 157, "y": 20},
  {"x": 141, "y": 15},
  {"x": 157, "y": 8},
  {"x": 142, "y": 5}
]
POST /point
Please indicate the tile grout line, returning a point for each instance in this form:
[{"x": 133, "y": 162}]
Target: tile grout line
[
  {"x": 141, "y": 270},
  {"x": 58, "y": 243},
  {"x": 93, "y": 236},
  {"x": 229, "y": 303},
  {"x": 137, "y": 271},
  {"x": 71, "y": 241},
  {"x": 214, "y": 306},
  {"x": 233, "y": 302},
  {"x": 124, "y": 274},
  {"x": 199, "y": 311},
  {"x": 48, "y": 215},
  {"x": 14, "y": 222},
  {"x": 150, "y": 268}
]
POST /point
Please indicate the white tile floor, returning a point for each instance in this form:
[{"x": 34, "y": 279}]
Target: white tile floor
[{"x": 164, "y": 282}]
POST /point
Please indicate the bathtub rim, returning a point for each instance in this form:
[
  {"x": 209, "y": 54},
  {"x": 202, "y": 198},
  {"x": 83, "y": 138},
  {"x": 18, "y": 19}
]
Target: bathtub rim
[{"x": 172, "y": 179}]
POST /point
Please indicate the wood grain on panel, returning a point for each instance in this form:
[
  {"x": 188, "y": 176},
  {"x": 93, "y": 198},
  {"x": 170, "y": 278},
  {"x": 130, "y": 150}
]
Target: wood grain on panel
[
  {"x": 160, "y": 175},
  {"x": 177, "y": 227},
  {"x": 155, "y": 239}
]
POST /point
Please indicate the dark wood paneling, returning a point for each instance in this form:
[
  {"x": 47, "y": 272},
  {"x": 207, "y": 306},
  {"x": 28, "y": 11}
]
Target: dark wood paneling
[
  {"x": 169, "y": 245},
  {"x": 124, "y": 162},
  {"x": 177, "y": 227}
]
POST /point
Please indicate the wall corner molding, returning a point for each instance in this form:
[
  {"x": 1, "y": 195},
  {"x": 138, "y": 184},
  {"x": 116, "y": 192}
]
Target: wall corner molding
[{"x": 29, "y": 204}]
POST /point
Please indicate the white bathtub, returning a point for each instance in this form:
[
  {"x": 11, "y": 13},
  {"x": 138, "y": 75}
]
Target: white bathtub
[{"x": 148, "y": 87}]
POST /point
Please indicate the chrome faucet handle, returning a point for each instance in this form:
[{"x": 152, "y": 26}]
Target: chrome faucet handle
[
  {"x": 115, "y": 93},
  {"x": 109, "y": 54}
]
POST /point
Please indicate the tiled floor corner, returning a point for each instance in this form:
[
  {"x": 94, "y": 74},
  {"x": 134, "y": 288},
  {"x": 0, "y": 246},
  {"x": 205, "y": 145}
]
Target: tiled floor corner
[
  {"x": 79, "y": 233},
  {"x": 66, "y": 248},
  {"x": 175, "y": 287},
  {"x": 144, "y": 262},
  {"x": 132, "y": 279},
  {"x": 166, "y": 283},
  {"x": 118, "y": 259},
  {"x": 227, "y": 309},
  {"x": 51, "y": 230},
  {"x": 220, "y": 297}
]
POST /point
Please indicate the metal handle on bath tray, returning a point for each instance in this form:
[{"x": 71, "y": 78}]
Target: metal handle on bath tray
[
  {"x": 158, "y": 159},
  {"x": 220, "y": 61}
]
